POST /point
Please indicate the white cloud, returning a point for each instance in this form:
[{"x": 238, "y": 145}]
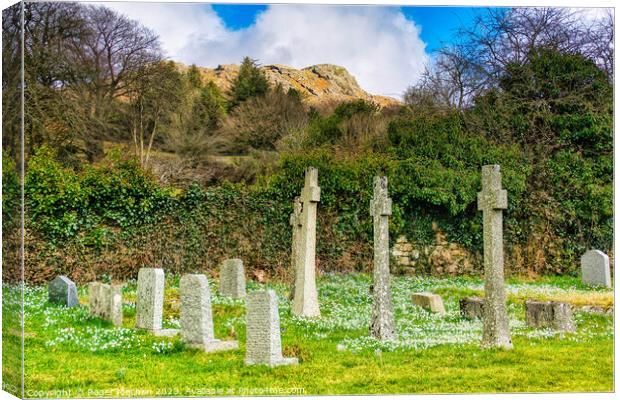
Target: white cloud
[{"x": 378, "y": 45}]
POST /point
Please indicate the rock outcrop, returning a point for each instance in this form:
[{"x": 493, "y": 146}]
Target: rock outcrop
[{"x": 317, "y": 84}]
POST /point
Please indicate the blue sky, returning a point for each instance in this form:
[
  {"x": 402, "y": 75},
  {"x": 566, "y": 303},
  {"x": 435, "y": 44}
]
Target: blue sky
[{"x": 386, "y": 48}]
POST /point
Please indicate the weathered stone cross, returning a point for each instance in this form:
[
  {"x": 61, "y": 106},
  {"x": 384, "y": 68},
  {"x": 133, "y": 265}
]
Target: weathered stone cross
[
  {"x": 382, "y": 323},
  {"x": 306, "y": 301},
  {"x": 295, "y": 222},
  {"x": 491, "y": 201}
]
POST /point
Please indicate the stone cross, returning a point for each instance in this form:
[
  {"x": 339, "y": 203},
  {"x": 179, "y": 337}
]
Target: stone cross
[
  {"x": 106, "y": 301},
  {"x": 382, "y": 326},
  {"x": 263, "y": 343},
  {"x": 491, "y": 201},
  {"x": 295, "y": 222},
  {"x": 595, "y": 269},
  {"x": 306, "y": 302},
  {"x": 63, "y": 291},
  {"x": 197, "y": 317},
  {"x": 150, "y": 302},
  {"x": 232, "y": 278}
]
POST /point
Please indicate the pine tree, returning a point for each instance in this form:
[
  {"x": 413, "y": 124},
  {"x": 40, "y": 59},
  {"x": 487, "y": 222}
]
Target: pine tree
[{"x": 251, "y": 82}]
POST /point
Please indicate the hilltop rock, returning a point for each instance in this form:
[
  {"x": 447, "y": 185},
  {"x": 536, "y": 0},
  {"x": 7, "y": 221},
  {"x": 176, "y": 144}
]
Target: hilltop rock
[{"x": 316, "y": 84}]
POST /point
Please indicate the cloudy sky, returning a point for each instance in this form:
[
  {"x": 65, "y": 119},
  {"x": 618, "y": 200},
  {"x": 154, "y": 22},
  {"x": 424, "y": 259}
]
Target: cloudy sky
[{"x": 385, "y": 48}]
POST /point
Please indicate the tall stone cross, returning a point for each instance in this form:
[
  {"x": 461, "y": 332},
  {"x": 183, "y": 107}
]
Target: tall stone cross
[
  {"x": 295, "y": 222},
  {"x": 491, "y": 201},
  {"x": 306, "y": 302},
  {"x": 382, "y": 323}
]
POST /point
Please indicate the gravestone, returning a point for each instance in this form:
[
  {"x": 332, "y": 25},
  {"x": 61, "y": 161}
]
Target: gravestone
[
  {"x": 491, "y": 201},
  {"x": 429, "y": 301},
  {"x": 106, "y": 302},
  {"x": 62, "y": 290},
  {"x": 232, "y": 278},
  {"x": 549, "y": 314},
  {"x": 196, "y": 315},
  {"x": 595, "y": 269},
  {"x": 306, "y": 300},
  {"x": 263, "y": 343},
  {"x": 382, "y": 326},
  {"x": 295, "y": 222},
  {"x": 472, "y": 307},
  {"x": 150, "y": 302}
]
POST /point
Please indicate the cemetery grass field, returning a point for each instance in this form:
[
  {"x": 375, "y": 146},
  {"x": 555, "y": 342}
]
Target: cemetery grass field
[{"x": 69, "y": 354}]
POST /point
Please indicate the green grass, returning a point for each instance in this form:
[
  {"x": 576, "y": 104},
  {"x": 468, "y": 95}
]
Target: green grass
[{"x": 69, "y": 353}]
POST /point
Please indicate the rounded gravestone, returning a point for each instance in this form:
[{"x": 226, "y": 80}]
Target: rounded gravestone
[
  {"x": 595, "y": 269},
  {"x": 62, "y": 290}
]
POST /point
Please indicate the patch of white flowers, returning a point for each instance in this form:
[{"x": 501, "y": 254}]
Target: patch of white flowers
[
  {"x": 162, "y": 347},
  {"x": 95, "y": 339}
]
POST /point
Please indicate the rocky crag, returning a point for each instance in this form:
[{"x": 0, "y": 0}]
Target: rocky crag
[{"x": 317, "y": 84}]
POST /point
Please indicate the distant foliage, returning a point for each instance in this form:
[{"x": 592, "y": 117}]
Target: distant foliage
[
  {"x": 63, "y": 204},
  {"x": 250, "y": 82}
]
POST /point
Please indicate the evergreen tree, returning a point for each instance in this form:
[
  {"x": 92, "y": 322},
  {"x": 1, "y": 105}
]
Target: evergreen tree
[{"x": 251, "y": 82}]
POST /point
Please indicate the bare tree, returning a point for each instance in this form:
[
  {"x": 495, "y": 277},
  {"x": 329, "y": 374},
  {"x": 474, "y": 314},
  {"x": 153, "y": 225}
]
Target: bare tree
[
  {"x": 110, "y": 61},
  {"x": 153, "y": 95},
  {"x": 502, "y": 37}
]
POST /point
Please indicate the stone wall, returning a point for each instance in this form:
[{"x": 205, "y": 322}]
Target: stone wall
[{"x": 438, "y": 258}]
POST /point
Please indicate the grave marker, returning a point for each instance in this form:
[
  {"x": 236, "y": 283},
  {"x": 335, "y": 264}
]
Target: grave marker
[
  {"x": 429, "y": 301},
  {"x": 549, "y": 314},
  {"x": 306, "y": 302},
  {"x": 382, "y": 326},
  {"x": 263, "y": 342},
  {"x": 106, "y": 302},
  {"x": 295, "y": 222},
  {"x": 472, "y": 307},
  {"x": 197, "y": 317},
  {"x": 595, "y": 269},
  {"x": 491, "y": 201},
  {"x": 150, "y": 302},
  {"x": 63, "y": 291},
  {"x": 232, "y": 278}
]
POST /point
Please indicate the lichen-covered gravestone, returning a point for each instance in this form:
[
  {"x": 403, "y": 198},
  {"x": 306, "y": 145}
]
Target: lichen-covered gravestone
[
  {"x": 382, "y": 326},
  {"x": 429, "y": 301},
  {"x": 106, "y": 301},
  {"x": 472, "y": 307},
  {"x": 150, "y": 302},
  {"x": 549, "y": 314},
  {"x": 63, "y": 291},
  {"x": 232, "y": 278},
  {"x": 295, "y": 222},
  {"x": 595, "y": 269},
  {"x": 197, "y": 317},
  {"x": 263, "y": 343},
  {"x": 306, "y": 300},
  {"x": 491, "y": 201}
]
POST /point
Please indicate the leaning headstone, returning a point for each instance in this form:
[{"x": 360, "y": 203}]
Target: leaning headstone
[
  {"x": 382, "y": 326},
  {"x": 429, "y": 301},
  {"x": 595, "y": 269},
  {"x": 306, "y": 301},
  {"x": 150, "y": 302},
  {"x": 263, "y": 343},
  {"x": 295, "y": 222},
  {"x": 549, "y": 314},
  {"x": 106, "y": 302},
  {"x": 63, "y": 291},
  {"x": 232, "y": 278},
  {"x": 491, "y": 201},
  {"x": 472, "y": 307},
  {"x": 197, "y": 317}
]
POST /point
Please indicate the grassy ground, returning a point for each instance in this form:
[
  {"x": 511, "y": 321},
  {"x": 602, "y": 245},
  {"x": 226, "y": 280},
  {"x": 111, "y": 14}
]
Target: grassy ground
[{"x": 70, "y": 354}]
